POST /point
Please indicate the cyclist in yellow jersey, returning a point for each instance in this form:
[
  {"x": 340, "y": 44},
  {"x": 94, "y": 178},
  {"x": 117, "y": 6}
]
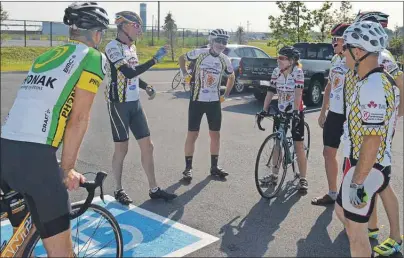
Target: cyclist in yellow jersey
[
  {"x": 390, "y": 202},
  {"x": 53, "y": 106},
  {"x": 371, "y": 116}
]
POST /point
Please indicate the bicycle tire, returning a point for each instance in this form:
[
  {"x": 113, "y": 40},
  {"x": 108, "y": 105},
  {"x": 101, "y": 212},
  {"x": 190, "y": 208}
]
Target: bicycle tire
[
  {"x": 96, "y": 208},
  {"x": 174, "y": 80},
  {"x": 284, "y": 169}
]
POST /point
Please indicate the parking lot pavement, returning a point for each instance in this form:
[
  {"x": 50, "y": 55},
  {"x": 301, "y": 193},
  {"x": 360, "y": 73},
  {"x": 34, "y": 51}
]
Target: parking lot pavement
[{"x": 232, "y": 210}]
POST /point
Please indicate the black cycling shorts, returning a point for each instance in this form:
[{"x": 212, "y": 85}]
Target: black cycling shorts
[
  {"x": 125, "y": 115},
  {"x": 297, "y": 130},
  {"x": 32, "y": 170},
  {"x": 376, "y": 181},
  {"x": 213, "y": 112},
  {"x": 333, "y": 129}
]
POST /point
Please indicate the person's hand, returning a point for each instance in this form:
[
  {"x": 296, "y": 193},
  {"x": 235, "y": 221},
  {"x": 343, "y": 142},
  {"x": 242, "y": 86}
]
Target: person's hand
[
  {"x": 151, "y": 92},
  {"x": 222, "y": 98},
  {"x": 262, "y": 113},
  {"x": 358, "y": 196},
  {"x": 296, "y": 118},
  {"x": 321, "y": 120},
  {"x": 73, "y": 179},
  {"x": 161, "y": 53}
]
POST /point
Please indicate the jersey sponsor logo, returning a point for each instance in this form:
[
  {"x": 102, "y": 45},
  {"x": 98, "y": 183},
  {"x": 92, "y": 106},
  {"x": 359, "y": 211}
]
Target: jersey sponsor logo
[
  {"x": 372, "y": 104},
  {"x": 95, "y": 82},
  {"x": 59, "y": 51},
  {"x": 40, "y": 80},
  {"x": 111, "y": 50},
  {"x": 46, "y": 120},
  {"x": 67, "y": 107},
  {"x": 69, "y": 65}
]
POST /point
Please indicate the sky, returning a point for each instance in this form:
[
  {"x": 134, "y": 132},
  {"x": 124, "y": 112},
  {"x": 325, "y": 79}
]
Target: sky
[{"x": 196, "y": 14}]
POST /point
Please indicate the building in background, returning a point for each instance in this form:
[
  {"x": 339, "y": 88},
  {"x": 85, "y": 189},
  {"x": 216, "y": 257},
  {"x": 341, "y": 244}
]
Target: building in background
[{"x": 143, "y": 15}]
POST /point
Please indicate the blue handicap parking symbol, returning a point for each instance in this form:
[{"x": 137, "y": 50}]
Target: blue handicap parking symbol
[{"x": 144, "y": 233}]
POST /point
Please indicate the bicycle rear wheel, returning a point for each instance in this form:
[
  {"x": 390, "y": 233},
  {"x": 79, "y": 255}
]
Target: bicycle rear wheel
[
  {"x": 176, "y": 80},
  {"x": 86, "y": 241},
  {"x": 265, "y": 182}
]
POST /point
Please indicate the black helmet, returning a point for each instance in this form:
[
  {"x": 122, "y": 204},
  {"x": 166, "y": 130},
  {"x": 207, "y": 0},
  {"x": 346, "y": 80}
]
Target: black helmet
[
  {"x": 290, "y": 52},
  {"x": 86, "y": 15}
]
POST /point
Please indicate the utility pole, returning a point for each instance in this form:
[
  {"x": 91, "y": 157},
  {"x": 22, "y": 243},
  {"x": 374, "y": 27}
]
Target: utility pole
[
  {"x": 248, "y": 26},
  {"x": 158, "y": 20}
]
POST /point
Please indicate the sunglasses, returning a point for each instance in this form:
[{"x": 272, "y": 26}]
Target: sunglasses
[
  {"x": 347, "y": 46},
  {"x": 283, "y": 58},
  {"x": 222, "y": 41},
  {"x": 335, "y": 39},
  {"x": 135, "y": 25}
]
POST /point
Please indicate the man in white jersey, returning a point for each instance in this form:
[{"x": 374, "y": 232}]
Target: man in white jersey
[
  {"x": 370, "y": 115},
  {"x": 333, "y": 122},
  {"x": 390, "y": 202},
  {"x": 210, "y": 64},
  {"x": 52, "y": 106},
  {"x": 125, "y": 110}
]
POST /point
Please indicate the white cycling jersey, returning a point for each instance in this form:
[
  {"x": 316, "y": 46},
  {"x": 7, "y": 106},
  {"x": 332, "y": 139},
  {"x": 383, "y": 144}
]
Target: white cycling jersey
[
  {"x": 285, "y": 87},
  {"x": 336, "y": 80},
  {"x": 207, "y": 74}
]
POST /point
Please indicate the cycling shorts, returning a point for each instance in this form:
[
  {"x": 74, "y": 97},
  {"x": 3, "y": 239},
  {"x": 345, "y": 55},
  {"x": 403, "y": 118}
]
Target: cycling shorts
[
  {"x": 333, "y": 129},
  {"x": 376, "y": 181},
  {"x": 297, "y": 130},
  {"x": 127, "y": 115},
  {"x": 32, "y": 170},
  {"x": 213, "y": 112}
]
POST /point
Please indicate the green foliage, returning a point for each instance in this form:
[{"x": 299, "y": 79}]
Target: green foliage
[
  {"x": 323, "y": 18},
  {"x": 171, "y": 30}
]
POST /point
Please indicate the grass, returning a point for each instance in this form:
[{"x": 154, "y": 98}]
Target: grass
[{"x": 21, "y": 58}]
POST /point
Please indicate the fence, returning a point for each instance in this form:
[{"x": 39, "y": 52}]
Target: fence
[{"x": 28, "y": 33}]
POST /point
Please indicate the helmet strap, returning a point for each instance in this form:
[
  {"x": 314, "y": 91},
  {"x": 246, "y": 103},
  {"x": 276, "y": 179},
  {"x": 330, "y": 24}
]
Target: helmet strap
[
  {"x": 120, "y": 28},
  {"x": 359, "y": 60}
]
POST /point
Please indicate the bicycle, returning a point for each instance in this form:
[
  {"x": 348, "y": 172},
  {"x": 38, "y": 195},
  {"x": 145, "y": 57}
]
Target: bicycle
[
  {"x": 179, "y": 78},
  {"x": 27, "y": 235},
  {"x": 283, "y": 142}
]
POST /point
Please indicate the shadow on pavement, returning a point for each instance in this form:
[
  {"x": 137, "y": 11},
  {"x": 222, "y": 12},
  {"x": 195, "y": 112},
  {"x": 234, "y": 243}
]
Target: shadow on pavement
[{"x": 251, "y": 235}]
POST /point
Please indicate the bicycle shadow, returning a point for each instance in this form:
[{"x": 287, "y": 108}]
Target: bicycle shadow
[
  {"x": 319, "y": 238},
  {"x": 181, "y": 94},
  {"x": 250, "y": 237}
]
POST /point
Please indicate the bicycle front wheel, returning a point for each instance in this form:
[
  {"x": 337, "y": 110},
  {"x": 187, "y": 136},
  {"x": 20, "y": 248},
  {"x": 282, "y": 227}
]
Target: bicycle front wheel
[
  {"x": 270, "y": 167},
  {"x": 99, "y": 235},
  {"x": 176, "y": 81}
]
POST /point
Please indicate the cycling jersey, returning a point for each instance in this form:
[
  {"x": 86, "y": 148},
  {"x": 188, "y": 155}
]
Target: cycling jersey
[
  {"x": 372, "y": 112},
  {"x": 121, "y": 88},
  {"x": 285, "y": 87},
  {"x": 45, "y": 99},
  {"x": 336, "y": 79},
  {"x": 207, "y": 74}
]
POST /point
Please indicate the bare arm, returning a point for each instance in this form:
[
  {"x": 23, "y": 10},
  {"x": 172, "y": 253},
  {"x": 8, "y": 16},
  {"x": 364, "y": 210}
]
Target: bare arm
[
  {"x": 268, "y": 99},
  {"x": 181, "y": 61},
  {"x": 367, "y": 158},
  {"x": 326, "y": 99},
  {"x": 399, "y": 83},
  {"x": 298, "y": 97},
  {"x": 229, "y": 84},
  {"x": 76, "y": 127}
]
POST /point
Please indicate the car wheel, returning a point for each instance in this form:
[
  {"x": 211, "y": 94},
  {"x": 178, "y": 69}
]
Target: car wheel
[
  {"x": 314, "y": 96},
  {"x": 238, "y": 87}
]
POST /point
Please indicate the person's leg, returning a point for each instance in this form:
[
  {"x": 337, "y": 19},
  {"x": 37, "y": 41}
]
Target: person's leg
[
  {"x": 214, "y": 117},
  {"x": 298, "y": 138},
  {"x": 373, "y": 220},
  {"x": 358, "y": 239},
  {"x": 119, "y": 114},
  {"x": 140, "y": 129}
]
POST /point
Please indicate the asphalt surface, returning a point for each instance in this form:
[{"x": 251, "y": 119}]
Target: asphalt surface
[{"x": 231, "y": 210}]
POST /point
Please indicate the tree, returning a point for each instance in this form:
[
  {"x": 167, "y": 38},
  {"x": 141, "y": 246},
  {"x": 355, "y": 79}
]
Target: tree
[
  {"x": 293, "y": 25},
  {"x": 3, "y": 13},
  {"x": 344, "y": 13},
  {"x": 323, "y": 18},
  {"x": 396, "y": 44},
  {"x": 240, "y": 34},
  {"x": 171, "y": 31}
]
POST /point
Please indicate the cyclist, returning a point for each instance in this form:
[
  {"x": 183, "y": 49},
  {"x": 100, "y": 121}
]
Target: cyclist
[
  {"x": 210, "y": 63},
  {"x": 371, "y": 115},
  {"x": 287, "y": 81},
  {"x": 390, "y": 201},
  {"x": 125, "y": 110},
  {"x": 53, "y": 106},
  {"x": 333, "y": 122}
]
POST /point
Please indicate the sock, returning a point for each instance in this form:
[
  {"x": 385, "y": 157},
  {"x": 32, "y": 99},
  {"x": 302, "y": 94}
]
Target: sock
[
  {"x": 188, "y": 162},
  {"x": 213, "y": 160},
  {"x": 333, "y": 195},
  {"x": 153, "y": 190}
]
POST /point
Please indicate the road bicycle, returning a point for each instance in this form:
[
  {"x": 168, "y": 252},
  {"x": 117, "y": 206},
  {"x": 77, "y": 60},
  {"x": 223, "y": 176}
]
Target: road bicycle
[
  {"x": 84, "y": 242},
  {"x": 284, "y": 153},
  {"x": 179, "y": 78}
]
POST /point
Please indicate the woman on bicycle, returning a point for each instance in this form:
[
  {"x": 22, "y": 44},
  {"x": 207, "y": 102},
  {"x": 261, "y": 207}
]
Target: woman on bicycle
[{"x": 287, "y": 81}]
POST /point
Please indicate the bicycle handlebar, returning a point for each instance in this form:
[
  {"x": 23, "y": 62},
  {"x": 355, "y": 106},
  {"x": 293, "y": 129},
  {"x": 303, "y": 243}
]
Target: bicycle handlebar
[
  {"x": 90, "y": 187},
  {"x": 278, "y": 114}
]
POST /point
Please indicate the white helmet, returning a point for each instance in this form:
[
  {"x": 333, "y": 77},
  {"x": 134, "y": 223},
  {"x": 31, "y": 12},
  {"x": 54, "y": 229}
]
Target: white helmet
[
  {"x": 367, "y": 35},
  {"x": 218, "y": 33}
]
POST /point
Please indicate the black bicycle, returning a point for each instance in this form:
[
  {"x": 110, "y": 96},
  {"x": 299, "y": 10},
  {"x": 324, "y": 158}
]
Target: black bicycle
[{"x": 283, "y": 152}]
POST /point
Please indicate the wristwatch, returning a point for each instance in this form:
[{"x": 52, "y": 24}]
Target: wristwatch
[{"x": 356, "y": 186}]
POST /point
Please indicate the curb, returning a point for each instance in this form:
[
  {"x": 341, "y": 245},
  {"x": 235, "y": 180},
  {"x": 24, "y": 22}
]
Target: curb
[{"x": 151, "y": 69}]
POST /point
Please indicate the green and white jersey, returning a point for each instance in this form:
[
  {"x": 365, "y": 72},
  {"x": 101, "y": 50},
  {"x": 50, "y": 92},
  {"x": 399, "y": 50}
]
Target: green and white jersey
[{"x": 45, "y": 98}]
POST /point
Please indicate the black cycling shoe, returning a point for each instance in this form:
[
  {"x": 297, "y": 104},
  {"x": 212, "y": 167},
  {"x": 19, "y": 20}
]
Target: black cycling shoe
[
  {"x": 217, "y": 171},
  {"x": 303, "y": 185},
  {"x": 122, "y": 197},
  {"x": 187, "y": 174},
  {"x": 161, "y": 194}
]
